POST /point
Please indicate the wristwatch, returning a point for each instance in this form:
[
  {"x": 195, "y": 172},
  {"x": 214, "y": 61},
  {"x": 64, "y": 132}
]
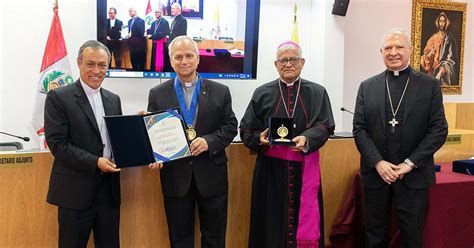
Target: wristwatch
[{"x": 409, "y": 163}]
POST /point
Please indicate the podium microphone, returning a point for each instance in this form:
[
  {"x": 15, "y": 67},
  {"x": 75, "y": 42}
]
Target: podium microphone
[
  {"x": 23, "y": 138},
  {"x": 346, "y": 110}
]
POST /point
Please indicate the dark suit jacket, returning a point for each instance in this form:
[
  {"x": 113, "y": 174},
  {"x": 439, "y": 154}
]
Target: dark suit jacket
[
  {"x": 424, "y": 128},
  {"x": 162, "y": 31},
  {"x": 73, "y": 137},
  {"x": 114, "y": 34},
  {"x": 137, "y": 40},
  {"x": 179, "y": 27},
  {"x": 216, "y": 123}
]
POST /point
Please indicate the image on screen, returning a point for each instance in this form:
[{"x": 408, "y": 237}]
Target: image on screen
[{"x": 138, "y": 32}]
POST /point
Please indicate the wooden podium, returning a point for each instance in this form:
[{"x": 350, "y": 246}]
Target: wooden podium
[{"x": 28, "y": 221}]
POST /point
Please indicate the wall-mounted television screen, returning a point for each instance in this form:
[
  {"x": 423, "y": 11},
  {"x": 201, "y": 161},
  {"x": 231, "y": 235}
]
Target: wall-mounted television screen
[{"x": 138, "y": 33}]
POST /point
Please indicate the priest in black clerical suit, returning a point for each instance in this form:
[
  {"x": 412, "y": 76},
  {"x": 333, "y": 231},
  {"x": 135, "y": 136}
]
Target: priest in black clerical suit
[
  {"x": 280, "y": 214},
  {"x": 399, "y": 123},
  {"x": 201, "y": 180},
  {"x": 113, "y": 38},
  {"x": 179, "y": 27}
]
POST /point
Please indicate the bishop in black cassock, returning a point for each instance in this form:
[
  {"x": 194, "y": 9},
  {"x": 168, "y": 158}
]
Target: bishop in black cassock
[
  {"x": 399, "y": 124},
  {"x": 277, "y": 182}
]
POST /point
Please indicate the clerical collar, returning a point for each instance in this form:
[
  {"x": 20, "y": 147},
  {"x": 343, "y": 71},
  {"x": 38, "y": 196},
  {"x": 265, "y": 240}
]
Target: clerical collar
[
  {"x": 88, "y": 89},
  {"x": 289, "y": 84},
  {"x": 188, "y": 84},
  {"x": 399, "y": 72}
]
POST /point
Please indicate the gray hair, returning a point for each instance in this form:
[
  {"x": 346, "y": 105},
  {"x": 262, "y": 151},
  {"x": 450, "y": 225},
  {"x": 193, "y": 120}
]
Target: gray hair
[
  {"x": 176, "y": 5},
  {"x": 94, "y": 45},
  {"x": 287, "y": 47},
  {"x": 395, "y": 31},
  {"x": 183, "y": 38}
]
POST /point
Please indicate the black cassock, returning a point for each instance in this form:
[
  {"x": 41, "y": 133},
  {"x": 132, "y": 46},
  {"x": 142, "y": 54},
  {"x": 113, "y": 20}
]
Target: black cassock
[{"x": 277, "y": 183}]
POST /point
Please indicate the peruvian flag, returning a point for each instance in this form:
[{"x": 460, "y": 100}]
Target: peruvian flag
[
  {"x": 149, "y": 17},
  {"x": 55, "y": 72}
]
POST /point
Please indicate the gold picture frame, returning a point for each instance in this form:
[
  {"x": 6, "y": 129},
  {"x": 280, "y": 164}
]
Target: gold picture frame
[{"x": 437, "y": 33}]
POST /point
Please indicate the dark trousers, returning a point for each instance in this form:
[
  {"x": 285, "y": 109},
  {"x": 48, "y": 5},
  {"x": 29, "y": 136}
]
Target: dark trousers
[
  {"x": 212, "y": 216},
  {"x": 137, "y": 58},
  {"x": 103, "y": 218},
  {"x": 167, "y": 63},
  {"x": 410, "y": 209},
  {"x": 137, "y": 46}
]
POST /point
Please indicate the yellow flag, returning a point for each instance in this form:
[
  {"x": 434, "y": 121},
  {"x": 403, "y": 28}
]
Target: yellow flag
[
  {"x": 216, "y": 19},
  {"x": 294, "y": 35}
]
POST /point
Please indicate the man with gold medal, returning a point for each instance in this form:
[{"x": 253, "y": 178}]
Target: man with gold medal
[
  {"x": 286, "y": 193},
  {"x": 211, "y": 126}
]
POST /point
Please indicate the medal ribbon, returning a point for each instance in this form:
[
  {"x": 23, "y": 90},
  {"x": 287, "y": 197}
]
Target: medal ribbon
[{"x": 189, "y": 114}]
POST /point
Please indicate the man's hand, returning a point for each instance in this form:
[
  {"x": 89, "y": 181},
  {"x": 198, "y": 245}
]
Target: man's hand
[
  {"x": 386, "y": 171},
  {"x": 142, "y": 112},
  {"x": 403, "y": 169},
  {"x": 157, "y": 165},
  {"x": 300, "y": 142},
  {"x": 264, "y": 138},
  {"x": 107, "y": 166},
  {"x": 198, "y": 146}
]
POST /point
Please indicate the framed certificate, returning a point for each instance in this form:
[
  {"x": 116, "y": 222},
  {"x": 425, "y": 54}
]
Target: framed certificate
[
  {"x": 167, "y": 135},
  {"x": 139, "y": 140}
]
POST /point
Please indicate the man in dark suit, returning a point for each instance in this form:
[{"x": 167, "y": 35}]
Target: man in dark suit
[
  {"x": 113, "y": 39},
  {"x": 179, "y": 27},
  {"x": 399, "y": 124},
  {"x": 136, "y": 40},
  {"x": 211, "y": 127},
  {"x": 158, "y": 32},
  {"x": 84, "y": 182}
]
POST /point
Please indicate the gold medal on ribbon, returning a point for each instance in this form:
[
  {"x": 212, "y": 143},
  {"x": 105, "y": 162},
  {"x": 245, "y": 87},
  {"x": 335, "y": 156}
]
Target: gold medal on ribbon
[{"x": 191, "y": 133}]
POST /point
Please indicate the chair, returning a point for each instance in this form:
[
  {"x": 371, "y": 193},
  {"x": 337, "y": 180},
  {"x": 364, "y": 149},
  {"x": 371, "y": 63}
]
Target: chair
[{"x": 10, "y": 146}]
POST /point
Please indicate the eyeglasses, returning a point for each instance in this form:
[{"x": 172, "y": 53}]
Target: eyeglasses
[{"x": 284, "y": 61}]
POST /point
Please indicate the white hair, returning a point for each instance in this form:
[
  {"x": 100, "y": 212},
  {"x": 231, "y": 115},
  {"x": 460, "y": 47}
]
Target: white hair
[
  {"x": 395, "y": 31},
  {"x": 287, "y": 47},
  {"x": 176, "y": 5},
  {"x": 183, "y": 38}
]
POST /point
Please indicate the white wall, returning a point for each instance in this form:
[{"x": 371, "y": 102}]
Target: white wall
[
  {"x": 368, "y": 21},
  {"x": 339, "y": 52}
]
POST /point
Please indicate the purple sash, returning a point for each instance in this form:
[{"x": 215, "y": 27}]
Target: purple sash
[
  {"x": 308, "y": 233},
  {"x": 159, "y": 56}
]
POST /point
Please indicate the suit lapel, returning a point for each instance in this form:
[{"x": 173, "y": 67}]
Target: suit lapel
[
  {"x": 379, "y": 89},
  {"x": 202, "y": 103},
  {"x": 85, "y": 106},
  {"x": 173, "y": 99},
  {"x": 107, "y": 102},
  {"x": 412, "y": 91}
]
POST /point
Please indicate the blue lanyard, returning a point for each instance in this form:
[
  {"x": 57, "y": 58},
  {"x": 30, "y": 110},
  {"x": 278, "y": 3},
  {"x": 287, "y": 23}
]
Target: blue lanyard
[{"x": 189, "y": 114}]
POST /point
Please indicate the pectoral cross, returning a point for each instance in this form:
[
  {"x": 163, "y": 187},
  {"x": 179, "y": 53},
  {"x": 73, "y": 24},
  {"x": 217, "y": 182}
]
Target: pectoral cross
[{"x": 393, "y": 122}]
